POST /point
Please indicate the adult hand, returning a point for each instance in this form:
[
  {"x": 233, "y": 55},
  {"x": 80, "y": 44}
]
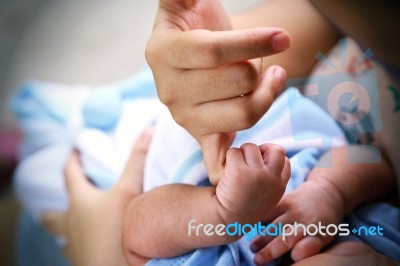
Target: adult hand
[
  {"x": 92, "y": 225},
  {"x": 211, "y": 76}
]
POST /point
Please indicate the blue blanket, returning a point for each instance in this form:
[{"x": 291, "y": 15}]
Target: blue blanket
[{"x": 103, "y": 124}]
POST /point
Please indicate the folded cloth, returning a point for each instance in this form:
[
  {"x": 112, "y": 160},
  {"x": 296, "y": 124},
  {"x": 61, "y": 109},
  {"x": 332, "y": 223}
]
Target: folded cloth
[{"x": 103, "y": 124}]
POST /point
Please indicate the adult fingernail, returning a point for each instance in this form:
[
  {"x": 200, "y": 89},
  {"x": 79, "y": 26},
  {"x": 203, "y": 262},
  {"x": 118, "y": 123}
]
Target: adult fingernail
[
  {"x": 280, "y": 42},
  {"x": 258, "y": 259}
]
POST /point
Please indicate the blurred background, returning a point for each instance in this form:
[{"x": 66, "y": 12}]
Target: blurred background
[{"x": 90, "y": 42}]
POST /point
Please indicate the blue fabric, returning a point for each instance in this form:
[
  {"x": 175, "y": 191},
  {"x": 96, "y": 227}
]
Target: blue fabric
[
  {"x": 37, "y": 101},
  {"x": 218, "y": 256},
  {"x": 36, "y": 247},
  {"x": 384, "y": 215},
  {"x": 102, "y": 109}
]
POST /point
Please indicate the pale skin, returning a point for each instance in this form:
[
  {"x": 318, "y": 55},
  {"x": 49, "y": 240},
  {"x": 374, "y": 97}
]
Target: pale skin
[
  {"x": 94, "y": 215},
  {"x": 326, "y": 197},
  {"x": 182, "y": 19},
  {"x": 206, "y": 57},
  {"x": 253, "y": 182},
  {"x": 189, "y": 94},
  {"x": 331, "y": 193},
  {"x": 324, "y": 187},
  {"x": 206, "y": 52},
  {"x": 296, "y": 204},
  {"x": 307, "y": 28},
  {"x": 328, "y": 194},
  {"x": 93, "y": 224},
  {"x": 301, "y": 206},
  {"x": 182, "y": 196}
]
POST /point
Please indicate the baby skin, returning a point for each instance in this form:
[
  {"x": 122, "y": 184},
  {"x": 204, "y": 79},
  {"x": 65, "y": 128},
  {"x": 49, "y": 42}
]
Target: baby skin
[
  {"x": 328, "y": 194},
  {"x": 253, "y": 182},
  {"x": 333, "y": 191}
]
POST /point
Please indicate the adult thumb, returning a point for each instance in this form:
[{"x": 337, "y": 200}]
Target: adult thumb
[
  {"x": 77, "y": 183},
  {"x": 132, "y": 176},
  {"x": 214, "y": 147}
]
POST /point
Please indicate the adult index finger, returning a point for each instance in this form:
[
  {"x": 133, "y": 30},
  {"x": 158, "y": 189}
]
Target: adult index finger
[{"x": 205, "y": 49}]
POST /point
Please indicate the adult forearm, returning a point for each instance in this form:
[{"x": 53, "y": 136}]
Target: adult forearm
[
  {"x": 310, "y": 32},
  {"x": 157, "y": 222},
  {"x": 367, "y": 22}
]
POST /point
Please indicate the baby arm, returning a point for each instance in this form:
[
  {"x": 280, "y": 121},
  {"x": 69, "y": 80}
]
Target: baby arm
[
  {"x": 327, "y": 195},
  {"x": 156, "y": 223}
]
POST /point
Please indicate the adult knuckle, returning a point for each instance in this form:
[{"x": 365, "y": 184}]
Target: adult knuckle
[
  {"x": 244, "y": 123},
  {"x": 251, "y": 116},
  {"x": 180, "y": 117},
  {"x": 166, "y": 95},
  {"x": 151, "y": 53},
  {"x": 180, "y": 120},
  {"x": 249, "y": 70},
  {"x": 247, "y": 116},
  {"x": 246, "y": 77},
  {"x": 255, "y": 44}
]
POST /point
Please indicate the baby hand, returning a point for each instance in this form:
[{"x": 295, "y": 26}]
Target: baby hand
[
  {"x": 254, "y": 181},
  {"x": 311, "y": 203}
]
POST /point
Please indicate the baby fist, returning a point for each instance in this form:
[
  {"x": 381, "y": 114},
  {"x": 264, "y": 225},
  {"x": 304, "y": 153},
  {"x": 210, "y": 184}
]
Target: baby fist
[{"x": 254, "y": 181}]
